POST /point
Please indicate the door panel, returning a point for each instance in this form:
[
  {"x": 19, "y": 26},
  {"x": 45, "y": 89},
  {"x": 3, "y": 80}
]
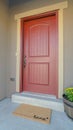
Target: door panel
[
  {"x": 39, "y": 33},
  {"x": 37, "y": 73},
  {"x": 40, "y": 74}
]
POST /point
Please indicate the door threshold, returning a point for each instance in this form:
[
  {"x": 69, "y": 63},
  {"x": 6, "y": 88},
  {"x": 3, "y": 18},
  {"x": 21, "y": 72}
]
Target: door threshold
[{"x": 38, "y": 94}]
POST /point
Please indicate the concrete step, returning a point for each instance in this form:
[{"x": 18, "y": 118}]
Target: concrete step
[{"x": 42, "y": 100}]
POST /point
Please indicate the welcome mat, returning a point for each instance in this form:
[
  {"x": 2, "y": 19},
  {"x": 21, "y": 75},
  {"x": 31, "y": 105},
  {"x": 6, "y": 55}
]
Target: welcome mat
[{"x": 35, "y": 113}]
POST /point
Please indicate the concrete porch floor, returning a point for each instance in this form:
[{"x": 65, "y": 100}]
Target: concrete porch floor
[{"x": 59, "y": 120}]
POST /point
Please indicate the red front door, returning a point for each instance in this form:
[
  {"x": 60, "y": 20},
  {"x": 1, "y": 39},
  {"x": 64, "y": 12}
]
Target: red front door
[{"x": 40, "y": 71}]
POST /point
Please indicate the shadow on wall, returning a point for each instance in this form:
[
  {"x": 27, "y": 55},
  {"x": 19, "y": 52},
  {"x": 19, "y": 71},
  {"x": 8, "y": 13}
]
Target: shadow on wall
[
  {"x": 20, "y": 2},
  {"x": 17, "y": 2}
]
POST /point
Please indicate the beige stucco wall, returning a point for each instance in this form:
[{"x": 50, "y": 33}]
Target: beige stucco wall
[
  {"x": 19, "y": 7},
  {"x": 3, "y": 46},
  {"x": 68, "y": 45}
]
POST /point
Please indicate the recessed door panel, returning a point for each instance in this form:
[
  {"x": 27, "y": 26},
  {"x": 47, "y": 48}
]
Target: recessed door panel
[{"x": 39, "y": 34}]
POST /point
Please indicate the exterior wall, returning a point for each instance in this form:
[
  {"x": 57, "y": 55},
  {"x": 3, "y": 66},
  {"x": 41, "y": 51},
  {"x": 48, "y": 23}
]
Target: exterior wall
[
  {"x": 3, "y": 46},
  {"x": 18, "y": 7},
  {"x": 68, "y": 45}
]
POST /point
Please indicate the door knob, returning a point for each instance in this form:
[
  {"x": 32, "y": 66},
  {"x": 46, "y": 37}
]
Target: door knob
[{"x": 24, "y": 61}]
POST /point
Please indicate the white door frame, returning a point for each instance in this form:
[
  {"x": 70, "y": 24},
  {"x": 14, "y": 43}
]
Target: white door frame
[{"x": 58, "y": 6}]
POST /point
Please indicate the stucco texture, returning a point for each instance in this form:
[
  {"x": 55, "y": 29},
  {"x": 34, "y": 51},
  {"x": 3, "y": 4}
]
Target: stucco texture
[{"x": 3, "y": 46}]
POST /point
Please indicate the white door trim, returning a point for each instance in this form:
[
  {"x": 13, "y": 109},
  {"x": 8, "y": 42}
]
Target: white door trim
[
  {"x": 44, "y": 9},
  {"x": 60, "y": 7}
]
